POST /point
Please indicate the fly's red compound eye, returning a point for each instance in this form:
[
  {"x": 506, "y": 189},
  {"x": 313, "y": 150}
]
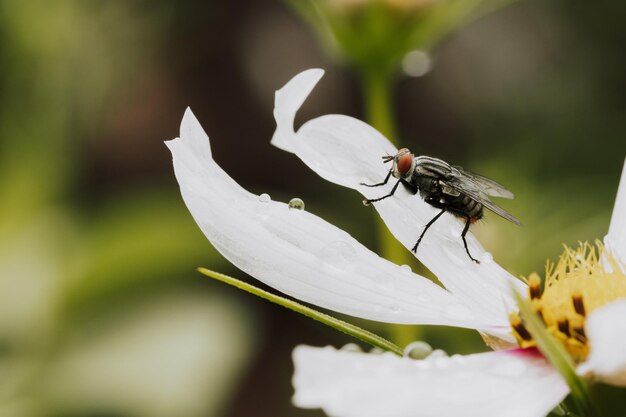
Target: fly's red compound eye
[{"x": 404, "y": 163}]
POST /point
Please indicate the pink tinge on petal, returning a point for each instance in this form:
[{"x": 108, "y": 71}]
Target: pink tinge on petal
[
  {"x": 498, "y": 384},
  {"x": 348, "y": 152},
  {"x": 302, "y": 255},
  {"x": 532, "y": 352}
]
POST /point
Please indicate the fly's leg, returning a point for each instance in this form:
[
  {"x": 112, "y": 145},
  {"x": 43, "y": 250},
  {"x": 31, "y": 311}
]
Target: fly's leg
[
  {"x": 465, "y": 229},
  {"x": 380, "y": 183},
  {"x": 430, "y": 223},
  {"x": 367, "y": 202}
]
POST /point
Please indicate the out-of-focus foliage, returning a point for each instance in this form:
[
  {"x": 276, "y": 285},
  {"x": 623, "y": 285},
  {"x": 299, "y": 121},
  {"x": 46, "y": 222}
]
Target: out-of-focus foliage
[
  {"x": 375, "y": 35},
  {"x": 95, "y": 318}
]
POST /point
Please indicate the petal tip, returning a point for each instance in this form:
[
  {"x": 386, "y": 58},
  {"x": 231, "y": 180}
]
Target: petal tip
[{"x": 288, "y": 100}]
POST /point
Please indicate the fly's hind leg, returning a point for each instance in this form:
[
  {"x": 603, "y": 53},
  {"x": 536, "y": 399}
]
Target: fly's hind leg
[
  {"x": 465, "y": 229},
  {"x": 430, "y": 223}
]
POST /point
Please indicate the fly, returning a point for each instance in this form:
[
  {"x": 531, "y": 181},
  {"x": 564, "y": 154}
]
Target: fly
[{"x": 446, "y": 187}]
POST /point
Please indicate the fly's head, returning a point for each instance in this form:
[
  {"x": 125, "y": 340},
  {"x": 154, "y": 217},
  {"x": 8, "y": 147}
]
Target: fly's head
[{"x": 403, "y": 163}]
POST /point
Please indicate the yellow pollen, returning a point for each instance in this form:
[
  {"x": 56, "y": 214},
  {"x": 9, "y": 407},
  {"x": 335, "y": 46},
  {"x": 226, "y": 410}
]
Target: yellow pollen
[{"x": 583, "y": 280}]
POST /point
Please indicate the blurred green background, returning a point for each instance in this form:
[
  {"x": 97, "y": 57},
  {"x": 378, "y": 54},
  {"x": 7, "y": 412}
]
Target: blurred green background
[{"x": 101, "y": 310}]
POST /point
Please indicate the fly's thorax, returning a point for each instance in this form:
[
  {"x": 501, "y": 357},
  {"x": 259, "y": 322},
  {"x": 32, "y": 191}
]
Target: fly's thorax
[
  {"x": 583, "y": 280},
  {"x": 427, "y": 185}
]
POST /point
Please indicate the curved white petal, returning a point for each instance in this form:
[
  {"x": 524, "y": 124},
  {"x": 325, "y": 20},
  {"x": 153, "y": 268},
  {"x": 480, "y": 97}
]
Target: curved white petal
[
  {"x": 302, "y": 255},
  {"x": 346, "y": 151},
  {"x": 606, "y": 330},
  {"x": 500, "y": 384},
  {"x": 616, "y": 238}
]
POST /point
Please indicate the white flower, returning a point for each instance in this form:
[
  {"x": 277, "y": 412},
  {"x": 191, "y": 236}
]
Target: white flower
[{"x": 301, "y": 255}]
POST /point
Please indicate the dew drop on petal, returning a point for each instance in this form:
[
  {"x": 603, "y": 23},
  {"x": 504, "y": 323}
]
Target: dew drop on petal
[
  {"x": 376, "y": 351},
  {"x": 487, "y": 258},
  {"x": 438, "y": 359},
  {"x": 417, "y": 350},
  {"x": 351, "y": 347},
  {"x": 438, "y": 353},
  {"x": 265, "y": 198},
  {"x": 296, "y": 204},
  {"x": 406, "y": 269}
]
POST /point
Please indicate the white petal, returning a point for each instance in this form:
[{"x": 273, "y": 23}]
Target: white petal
[
  {"x": 504, "y": 384},
  {"x": 606, "y": 330},
  {"x": 616, "y": 238},
  {"x": 302, "y": 255},
  {"x": 346, "y": 151}
]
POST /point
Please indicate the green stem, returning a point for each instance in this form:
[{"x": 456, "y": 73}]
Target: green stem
[
  {"x": 558, "y": 357},
  {"x": 377, "y": 89},
  {"x": 342, "y": 326}
]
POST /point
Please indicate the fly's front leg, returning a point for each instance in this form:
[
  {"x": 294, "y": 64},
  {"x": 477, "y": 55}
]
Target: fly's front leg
[
  {"x": 465, "y": 229},
  {"x": 385, "y": 181},
  {"x": 367, "y": 202}
]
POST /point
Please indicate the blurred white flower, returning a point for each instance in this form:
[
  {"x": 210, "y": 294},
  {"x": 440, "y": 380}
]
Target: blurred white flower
[{"x": 300, "y": 254}]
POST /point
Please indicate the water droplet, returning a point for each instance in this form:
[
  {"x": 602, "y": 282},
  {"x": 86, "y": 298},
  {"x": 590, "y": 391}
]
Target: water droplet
[
  {"x": 438, "y": 354},
  {"x": 296, "y": 204},
  {"x": 351, "y": 347},
  {"x": 487, "y": 258},
  {"x": 406, "y": 269},
  {"x": 265, "y": 198},
  {"x": 376, "y": 351},
  {"x": 458, "y": 312},
  {"x": 416, "y": 63},
  {"x": 417, "y": 350}
]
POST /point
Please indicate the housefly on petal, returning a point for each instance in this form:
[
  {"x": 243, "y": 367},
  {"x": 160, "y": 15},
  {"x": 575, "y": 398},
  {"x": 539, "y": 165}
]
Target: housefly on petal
[{"x": 446, "y": 187}]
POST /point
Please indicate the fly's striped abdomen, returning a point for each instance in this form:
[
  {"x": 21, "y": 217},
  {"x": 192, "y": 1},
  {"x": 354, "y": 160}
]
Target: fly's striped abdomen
[{"x": 465, "y": 206}]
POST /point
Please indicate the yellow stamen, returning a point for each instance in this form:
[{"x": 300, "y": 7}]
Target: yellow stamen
[
  {"x": 519, "y": 327},
  {"x": 577, "y": 302},
  {"x": 534, "y": 286},
  {"x": 583, "y": 280}
]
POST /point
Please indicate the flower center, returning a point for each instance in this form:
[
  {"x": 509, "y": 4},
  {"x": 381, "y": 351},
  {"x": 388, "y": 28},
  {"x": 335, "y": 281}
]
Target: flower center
[{"x": 583, "y": 280}]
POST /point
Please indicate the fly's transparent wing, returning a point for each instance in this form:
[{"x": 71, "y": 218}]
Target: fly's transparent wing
[
  {"x": 470, "y": 189},
  {"x": 487, "y": 185},
  {"x": 474, "y": 186}
]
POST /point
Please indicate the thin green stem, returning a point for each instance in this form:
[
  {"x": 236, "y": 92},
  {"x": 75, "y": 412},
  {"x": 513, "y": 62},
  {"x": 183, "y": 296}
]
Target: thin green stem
[
  {"x": 558, "y": 357},
  {"x": 378, "y": 94},
  {"x": 377, "y": 89},
  {"x": 342, "y": 326}
]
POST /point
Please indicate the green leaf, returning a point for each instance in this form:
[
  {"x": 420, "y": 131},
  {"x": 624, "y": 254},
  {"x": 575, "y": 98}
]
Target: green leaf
[{"x": 342, "y": 326}]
